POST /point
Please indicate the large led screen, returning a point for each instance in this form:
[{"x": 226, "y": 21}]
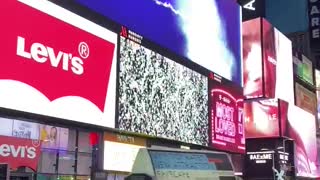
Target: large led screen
[
  {"x": 301, "y": 127},
  {"x": 65, "y": 67},
  {"x": 160, "y": 97},
  {"x": 267, "y": 54},
  {"x": 252, "y": 59},
  {"x": 262, "y": 118},
  {"x": 226, "y": 116},
  {"x": 208, "y": 31}
]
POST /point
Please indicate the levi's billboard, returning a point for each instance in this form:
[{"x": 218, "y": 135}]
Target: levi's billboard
[
  {"x": 56, "y": 63},
  {"x": 226, "y": 115},
  {"x": 19, "y": 152},
  {"x": 267, "y": 62}
]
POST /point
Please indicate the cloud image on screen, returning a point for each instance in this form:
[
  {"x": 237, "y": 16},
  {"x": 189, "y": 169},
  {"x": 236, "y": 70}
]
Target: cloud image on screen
[
  {"x": 208, "y": 32},
  {"x": 160, "y": 97}
]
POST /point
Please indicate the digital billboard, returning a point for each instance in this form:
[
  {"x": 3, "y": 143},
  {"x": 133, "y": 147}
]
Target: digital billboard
[
  {"x": 262, "y": 118},
  {"x": 120, "y": 151},
  {"x": 207, "y": 32},
  {"x": 160, "y": 97},
  {"x": 252, "y": 59},
  {"x": 65, "y": 69},
  {"x": 226, "y": 115},
  {"x": 301, "y": 127},
  {"x": 267, "y": 62},
  {"x": 303, "y": 68},
  {"x": 305, "y": 99}
]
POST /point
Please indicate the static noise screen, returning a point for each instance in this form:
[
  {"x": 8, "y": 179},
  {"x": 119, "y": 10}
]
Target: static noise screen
[{"x": 160, "y": 97}]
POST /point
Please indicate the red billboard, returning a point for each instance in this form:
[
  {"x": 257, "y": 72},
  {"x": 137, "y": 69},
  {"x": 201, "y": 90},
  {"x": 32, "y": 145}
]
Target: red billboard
[
  {"x": 264, "y": 117},
  {"x": 226, "y": 115},
  {"x": 18, "y": 152},
  {"x": 267, "y": 62},
  {"x": 60, "y": 65}
]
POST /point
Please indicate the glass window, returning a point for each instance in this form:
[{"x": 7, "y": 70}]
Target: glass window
[
  {"x": 47, "y": 162},
  {"x": 72, "y": 140},
  {"x": 84, "y": 142},
  {"x": 66, "y": 162},
  {"x": 84, "y": 163},
  {"x": 6, "y": 127}
]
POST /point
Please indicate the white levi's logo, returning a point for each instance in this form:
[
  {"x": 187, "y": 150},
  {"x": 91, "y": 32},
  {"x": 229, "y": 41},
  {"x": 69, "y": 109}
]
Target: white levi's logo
[
  {"x": 41, "y": 54},
  {"x": 17, "y": 151}
]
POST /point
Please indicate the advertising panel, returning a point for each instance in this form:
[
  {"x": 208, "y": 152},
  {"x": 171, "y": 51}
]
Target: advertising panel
[
  {"x": 303, "y": 68},
  {"x": 267, "y": 72},
  {"x": 181, "y": 26},
  {"x": 68, "y": 71},
  {"x": 317, "y": 75},
  {"x": 181, "y": 166},
  {"x": 262, "y": 118},
  {"x": 252, "y": 59},
  {"x": 54, "y": 137},
  {"x": 23, "y": 129},
  {"x": 120, "y": 151},
  {"x": 19, "y": 152},
  {"x": 226, "y": 115},
  {"x": 160, "y": 97},
  {"x": 305, "y": 99},
  {"x": 301, "y": 127}
]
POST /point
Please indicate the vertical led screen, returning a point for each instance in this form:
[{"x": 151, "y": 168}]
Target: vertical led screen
[
  {"x": 160, "y": 97},
  {"x": 208, "y": 31},
  {"x": 267, "y": 65},
  {"x": 301, "y": 127},
  {"x": 252, "y": 59},
  {"x": 226, "y": 116},
  {"x": 269, "y": 59}
]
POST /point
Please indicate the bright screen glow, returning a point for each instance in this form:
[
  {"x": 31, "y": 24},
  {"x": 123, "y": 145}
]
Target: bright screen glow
[
  {"x": 119, "y": 156},
  {"x": 68, "y": 71},
  {"x": 275, "y": 62},
  {"x": 160, "y": 97},
  {"x": 226, "y": 117},
  {"x": 182, "y": 27},
  {"x": 261, "y": 119},
  {"x": 303, "y": 132}
]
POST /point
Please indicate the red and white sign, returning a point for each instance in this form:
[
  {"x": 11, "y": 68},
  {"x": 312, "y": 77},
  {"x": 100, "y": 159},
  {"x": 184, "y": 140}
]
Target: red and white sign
[
  {"x": 18, "y": 152},
  {"x": 56, "y": 63},
  {"x": 226, "y": 116}
]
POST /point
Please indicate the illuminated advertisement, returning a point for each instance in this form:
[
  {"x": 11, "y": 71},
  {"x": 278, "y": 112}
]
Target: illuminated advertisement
[
  {"x": 303, "y": 68},
  {"x": 267, "y": 68},
  {"x": 160, "y": 97},
  {"x": 303, "y": 132},
  {"x": 226, "y": 116},
  {"x": 262, "y": 118},
  {"x": 54, "y": 137},
  {"x": 120, "y": 151},
  {"x": 19, "y": 152},
  {"x": 182, "y": 27},
  {"x": 67, "y": 71},
  {"x": 252, "y": 59},
  {"x": 305, "y": 99}
]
